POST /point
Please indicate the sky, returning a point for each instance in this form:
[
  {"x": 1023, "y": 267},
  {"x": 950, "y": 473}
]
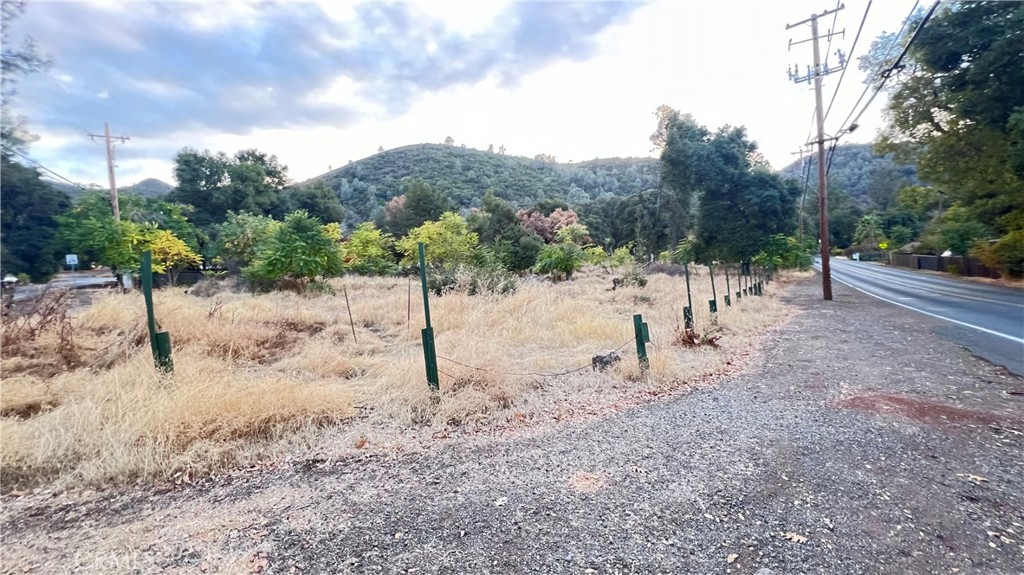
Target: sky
[{"x": 322, "y": 84}]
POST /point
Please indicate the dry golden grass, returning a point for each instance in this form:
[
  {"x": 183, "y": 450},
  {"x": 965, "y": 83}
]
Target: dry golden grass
[{"x": 261, "y": 376}]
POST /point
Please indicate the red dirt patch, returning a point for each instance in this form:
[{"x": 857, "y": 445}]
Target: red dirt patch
[{"x": 920, "y": 409}]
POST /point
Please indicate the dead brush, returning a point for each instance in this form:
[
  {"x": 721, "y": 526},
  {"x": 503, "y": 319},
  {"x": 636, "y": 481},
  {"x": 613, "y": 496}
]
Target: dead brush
[
  {"x": 214, "y": 309},
  {"x": 48, "y": 314},
  {"x": 474, "y": 398},
  {"x": 690, "y": 337}
]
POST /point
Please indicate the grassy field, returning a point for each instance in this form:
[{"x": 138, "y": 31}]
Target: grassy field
[{"x": 280, "y": 375}]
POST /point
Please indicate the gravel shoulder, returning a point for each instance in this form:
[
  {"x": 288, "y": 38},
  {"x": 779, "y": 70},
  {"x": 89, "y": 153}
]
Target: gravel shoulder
[{"x": 860, "y": 441}]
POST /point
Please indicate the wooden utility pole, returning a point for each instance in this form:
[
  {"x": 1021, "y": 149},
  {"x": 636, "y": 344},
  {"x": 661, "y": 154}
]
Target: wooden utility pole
[
  {"x": 110, "y": 165},
  {"x": 817, "y": 74}
]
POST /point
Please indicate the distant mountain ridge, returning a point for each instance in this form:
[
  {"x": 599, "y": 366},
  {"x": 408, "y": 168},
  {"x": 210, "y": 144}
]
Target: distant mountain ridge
[
  {"x": 148, "y": 188},
  {"x": 465, "y": 174}
]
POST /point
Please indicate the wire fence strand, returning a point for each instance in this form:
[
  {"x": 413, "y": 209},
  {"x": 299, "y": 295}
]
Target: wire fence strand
[{"x": 528, "y": 374}]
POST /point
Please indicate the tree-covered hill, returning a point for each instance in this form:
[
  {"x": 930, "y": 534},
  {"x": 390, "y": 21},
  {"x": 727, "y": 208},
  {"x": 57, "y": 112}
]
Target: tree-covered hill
[
  {"x": 465, "y": 174},
  {"x": 867, "y": 177}
]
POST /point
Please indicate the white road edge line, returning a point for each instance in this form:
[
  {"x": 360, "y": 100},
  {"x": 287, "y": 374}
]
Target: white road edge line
[
  {"x": 972, "y": 326},
  {"x": 936, "y": 289}
]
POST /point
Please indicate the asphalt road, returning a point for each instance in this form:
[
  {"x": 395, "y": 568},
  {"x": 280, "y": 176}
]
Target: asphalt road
[
  {"x": 986, "y": 319},
  {"x": 67, "y": 280}
]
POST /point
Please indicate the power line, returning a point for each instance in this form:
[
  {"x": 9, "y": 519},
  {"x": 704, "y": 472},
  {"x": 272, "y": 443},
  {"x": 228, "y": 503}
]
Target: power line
[
  {"x": 846, "y": 123},
  {"x": 887, "y": 73},
  {"x": 44, "y": 168},
  {"x": 848, "y": 57},
  {"x": 835, "y": 16}
]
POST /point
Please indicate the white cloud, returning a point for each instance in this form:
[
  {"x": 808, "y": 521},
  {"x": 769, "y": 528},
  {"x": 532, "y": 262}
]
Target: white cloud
[
  {"x": 724, "y": 62},
  {"x": 461, "y": 16}
]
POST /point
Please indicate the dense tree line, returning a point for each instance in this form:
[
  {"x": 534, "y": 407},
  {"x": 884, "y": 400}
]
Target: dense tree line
[
  {"x": 464, "y": 174},
  {"x": 872, "y": 180},
  {"x": 956, "y": 109}
]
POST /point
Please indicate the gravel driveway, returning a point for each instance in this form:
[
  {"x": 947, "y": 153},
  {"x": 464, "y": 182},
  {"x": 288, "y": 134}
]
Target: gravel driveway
[{"x": 861, "y": 443}]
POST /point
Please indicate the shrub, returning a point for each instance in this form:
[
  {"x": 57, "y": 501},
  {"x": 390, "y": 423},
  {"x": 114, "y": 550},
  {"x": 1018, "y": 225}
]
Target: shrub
[
  {"x": 621, "y": 256},
  {"x": 471, "y": 280},
  {"x": 1005, "y": 255},
  {"x": 682, "y": 253},
  {"x": 785, "y": 252},
  {"x": 295, "y": 254},
  {"x": 668, "y": 269},
  {"x": 446, "y": 241},
  {"x": 239, "y": 237},
  {"x": 368, "y": 251},
  {"x": 594, "y": 255},
  {"x": 632, "y": 278},
  {"x": 560, "y": 260}
]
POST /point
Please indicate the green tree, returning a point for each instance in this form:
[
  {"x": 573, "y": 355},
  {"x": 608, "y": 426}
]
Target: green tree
[
  {"x": 447, "y": 241},
  {"x": 666, "y": 118},
  {"x": 239, "y": 238},
  {"x": 316, "y": 198},
  {"x": 214, "y": 184},
  {"x": 954, "y": 107},
  {"x": 170, "y": 254},
  {"x": 299, "y": 251},
  {"x": 119, "y": 244},
  {"x": 16, "y": 60},
  {"x": 576, "y": 233},
  {"x": 420, "y": 203},
  {"x": 153, "y": 212},
  {"x": 957, "y": 231},
  {"x": 922, "y": 201},
  {"x": 28, "y": 207},
  {"x": 521, "y": 253},
  {"x": 495, "y": 220},
  {"x": 737, "y": 220},
  {"x": 869, "y": 231},
  {"x": 900, "y": 236},
  {"x": 687, "y": 169},
  {"x": 497, "y": 225},
  {"x": 368, "y": 251}
]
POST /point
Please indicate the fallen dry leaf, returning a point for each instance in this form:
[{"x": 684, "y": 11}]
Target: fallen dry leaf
[
  {"x": 361, "y": 443},
  {"x": 794, "y": 537},
  {"x": 732, "y": 558}
]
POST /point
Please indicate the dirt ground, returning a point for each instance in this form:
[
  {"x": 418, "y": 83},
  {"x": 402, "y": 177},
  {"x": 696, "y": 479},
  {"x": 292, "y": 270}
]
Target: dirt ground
[{"x": 859, "y": 441}]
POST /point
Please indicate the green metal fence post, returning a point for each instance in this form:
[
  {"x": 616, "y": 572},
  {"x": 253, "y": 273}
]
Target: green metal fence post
[
  {"x": 713, "y": 303},
  {"x": 728, "y": 289},
  {"x": 159, "y": 341},
  {"x": 429, "y": 353},
  {"x": 688, "y": 310},
  {"x": 643, "y": 337}
]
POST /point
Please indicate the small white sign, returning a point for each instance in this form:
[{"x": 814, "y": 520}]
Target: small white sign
[{"x": 71, "y": 259}]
